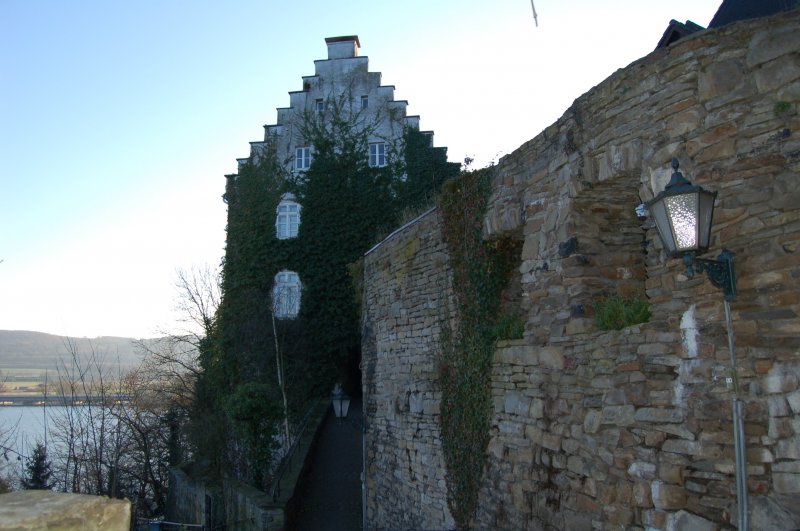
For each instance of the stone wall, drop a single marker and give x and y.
(406, 294)
(628, 429)
(45, 509)
(236, 505)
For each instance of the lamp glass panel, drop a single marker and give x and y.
(659, 213)
(705, 213)
(682, 212)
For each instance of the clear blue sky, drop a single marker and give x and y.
(119, 120)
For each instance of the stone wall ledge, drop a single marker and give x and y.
(45, 509)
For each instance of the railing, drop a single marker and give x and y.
(144, 524)
(288, 457)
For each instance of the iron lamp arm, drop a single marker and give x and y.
(719, 271)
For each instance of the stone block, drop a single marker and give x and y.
(667, 497)
(786, 483)
(774, 512)
(788, 448)
(641, 494)
(665, 415)
(681, 446)
(576, 465)
(642, 470)
(767, 45)
(536, 410)
(618, 415)
(654, 519)
(683, 520)
(592, 421)
(719, 79)
(44, 509)
(619, 515)
(516, 404)
(551, 442)
(794, 401)
(552, 357)
(778, 406)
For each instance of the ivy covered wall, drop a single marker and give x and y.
(609, 429)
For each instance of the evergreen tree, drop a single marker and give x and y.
(38, 471)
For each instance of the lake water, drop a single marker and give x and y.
(21, 427)
(25, 425)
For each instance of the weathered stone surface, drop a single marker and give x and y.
(665, 415)
(44, 509)
(786, 483)
(682, 521)
(774, 512)
(642, 470)
(667, 496)
(587, 424)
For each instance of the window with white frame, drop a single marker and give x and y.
(287, 221)
(320, 105)
(302, 158)
(377, 154)
(364, 102)
(286, 295)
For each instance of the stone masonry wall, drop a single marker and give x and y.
(629, 429)
(406, 293)
(633, 429)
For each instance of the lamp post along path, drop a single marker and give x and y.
(683, 214)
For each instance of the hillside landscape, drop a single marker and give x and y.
(37, 350)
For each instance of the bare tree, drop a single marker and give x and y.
(173, 358)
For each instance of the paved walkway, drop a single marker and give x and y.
(329, 495)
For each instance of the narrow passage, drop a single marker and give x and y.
(329, 495)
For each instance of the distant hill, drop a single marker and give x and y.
(36, 350)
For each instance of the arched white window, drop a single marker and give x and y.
(287, 220)
(286, 295)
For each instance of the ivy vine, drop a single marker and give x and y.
(481, 271)
(346, 206)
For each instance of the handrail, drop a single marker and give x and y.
(284, 466)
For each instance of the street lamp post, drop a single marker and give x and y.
(683, 214)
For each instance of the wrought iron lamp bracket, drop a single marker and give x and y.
(719, 271)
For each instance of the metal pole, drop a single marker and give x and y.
(737, 408)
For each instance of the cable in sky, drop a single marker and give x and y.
(535, 19)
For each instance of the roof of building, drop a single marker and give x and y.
(343, 38)
(734, 10)
(677, 30)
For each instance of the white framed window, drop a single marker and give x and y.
(302, 158)
(287, 220)
(286, 295)
(377, 154)
(364, 102)
(319, 105)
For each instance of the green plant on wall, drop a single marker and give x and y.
(345, 203)
(616, 311)
(481, 272)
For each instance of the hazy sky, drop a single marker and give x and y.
(119, 120)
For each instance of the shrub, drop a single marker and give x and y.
(616, 312)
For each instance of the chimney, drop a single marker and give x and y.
(342, 47)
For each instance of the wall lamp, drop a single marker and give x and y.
(683, 214)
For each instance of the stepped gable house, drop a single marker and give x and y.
(342, 85)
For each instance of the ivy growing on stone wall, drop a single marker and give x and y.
(481, 271)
